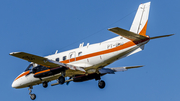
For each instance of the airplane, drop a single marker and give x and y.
(86, 62)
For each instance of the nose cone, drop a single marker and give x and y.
(20, 80)
(15, 84)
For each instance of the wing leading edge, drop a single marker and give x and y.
(43, 61)
(127, 34)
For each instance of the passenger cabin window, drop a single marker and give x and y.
(109, 46)
(64, 58)
(80, 54)
(57, 59)
(72, 55)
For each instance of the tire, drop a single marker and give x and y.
(101, 84)
(61, 80)
(45, 84)
(33, 96)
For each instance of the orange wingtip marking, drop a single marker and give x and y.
(143, 31)
(25, 73)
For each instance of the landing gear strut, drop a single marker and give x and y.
(32, 96)
(61, 79)
(101, 83)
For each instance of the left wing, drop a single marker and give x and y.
(43, 61)
(118, 69)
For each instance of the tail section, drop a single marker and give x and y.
(139, 24)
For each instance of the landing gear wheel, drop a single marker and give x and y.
(45, 84)
(61, 80)
(101, 84)
(33, 96)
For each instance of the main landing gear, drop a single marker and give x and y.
(32, 96)
(61, 79)
(101, 84)
(45, 84)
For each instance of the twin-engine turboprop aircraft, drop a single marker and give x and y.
(86, 62)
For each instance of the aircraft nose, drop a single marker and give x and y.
(14, 84)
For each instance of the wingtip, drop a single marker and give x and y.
(13, 53)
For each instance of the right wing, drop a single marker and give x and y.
(43, 61)
(35, 59)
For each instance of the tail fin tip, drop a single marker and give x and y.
(140, 21)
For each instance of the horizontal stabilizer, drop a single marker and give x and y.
(127, 34)
(131, 67)
(161, 36)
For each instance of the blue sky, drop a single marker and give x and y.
(42, 27)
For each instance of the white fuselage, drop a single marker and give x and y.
(91, 57)
(94, 57)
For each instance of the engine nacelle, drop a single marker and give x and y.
(41, 71)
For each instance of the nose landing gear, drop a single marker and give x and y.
(32, 96)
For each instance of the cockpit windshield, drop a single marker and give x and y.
(35, 67)
(29, 67)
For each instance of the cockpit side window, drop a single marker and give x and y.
(38, 69)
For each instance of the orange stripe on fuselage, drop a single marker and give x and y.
(42, 71)
(121, 47)
(143, 31)
(25, 73)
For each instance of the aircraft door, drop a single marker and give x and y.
(72, 56)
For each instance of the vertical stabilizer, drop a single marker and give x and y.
(139, 24)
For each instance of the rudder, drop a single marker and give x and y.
(140, 21)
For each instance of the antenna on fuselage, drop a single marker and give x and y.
(81, 45)
(56, 52)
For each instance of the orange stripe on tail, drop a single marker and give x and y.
(143, 31)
